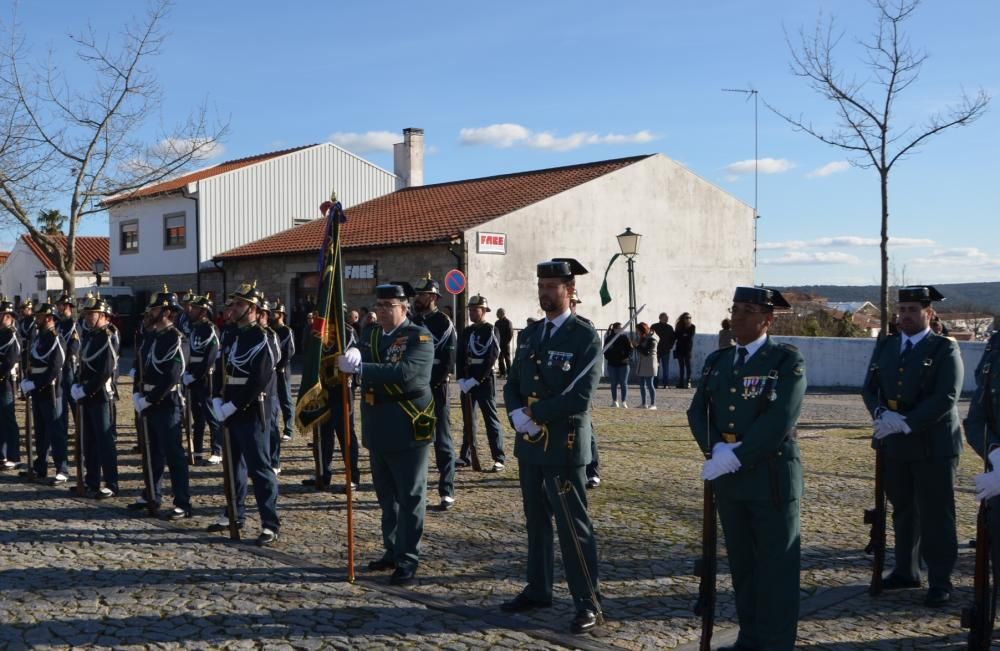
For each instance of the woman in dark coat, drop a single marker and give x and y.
(683, 345)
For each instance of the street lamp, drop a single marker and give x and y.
(98, 268)
(628, 242)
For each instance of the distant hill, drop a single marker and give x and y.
(961, 296)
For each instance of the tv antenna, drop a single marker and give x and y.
(751, 92)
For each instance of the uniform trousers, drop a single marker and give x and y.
(10, 442)
(50, 432)
(594, 467)
(252, 458)
(273, 411)
(763, 545)
(484, 395)
(922, 493)
(336, 424)
(444, 450)
(163, 427)
(542, 502)
(201, 416)
(100, 457)
(400, 481)
(285, 402)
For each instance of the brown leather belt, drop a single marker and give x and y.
(730, 437)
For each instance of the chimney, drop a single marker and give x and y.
(408, 159)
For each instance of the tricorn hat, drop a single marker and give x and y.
(575, 267)
(759, 296)
(561, 268)
(919, 294)
(399, 290)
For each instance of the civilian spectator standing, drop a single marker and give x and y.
(505, 332)
(646, 372)
(683, 345)
(665, 332)
(617, 357)
(726, 337)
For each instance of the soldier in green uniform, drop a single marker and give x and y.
(912, 389)
(397, 424)
(743, 417)
(549, 388)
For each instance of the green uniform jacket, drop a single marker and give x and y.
(982, 426)
(405, 359)
(925, 389)
(761, 411)
(538, 375)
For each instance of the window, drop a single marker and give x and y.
(173, 231)
(129, 237)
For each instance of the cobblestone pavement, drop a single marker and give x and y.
(80, 573)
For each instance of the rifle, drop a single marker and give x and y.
(706, 567)
(189, 440)
(561, 489)
(145, 448)
(318, 456)
(468, 432)
(228, 470)
(978, 617)
(80, 488)
(345, 400)
(29, 419)
(876, 517)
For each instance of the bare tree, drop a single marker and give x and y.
(84, 141)
(866, 121)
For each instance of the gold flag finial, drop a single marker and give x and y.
(333, 196)
(165, 290)
(428, 275)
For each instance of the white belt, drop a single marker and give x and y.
(148, 387)
(237, 381)
(476, 361)
(39, 369)
(197, 358)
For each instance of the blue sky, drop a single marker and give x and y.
(525, 85)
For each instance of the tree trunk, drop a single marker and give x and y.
(884, 248)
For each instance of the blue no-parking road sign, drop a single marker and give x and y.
(454, 282)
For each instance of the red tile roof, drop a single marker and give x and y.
(88, 249)
(432, 213)
(178, 183)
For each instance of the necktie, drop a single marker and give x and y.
(907, 347)
(741, 358)
(549, 327)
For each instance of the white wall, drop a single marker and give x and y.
(152, 258)
(835, 361)
(17, 277)
(697, 245)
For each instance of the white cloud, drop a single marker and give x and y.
(844, 241)
(815, 257)
(205, 150)
(764, 166)
(363, 143)
(828, 169)
(509, 135)
(965, 257)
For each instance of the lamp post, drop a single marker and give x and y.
(628, 242)
(98, 268)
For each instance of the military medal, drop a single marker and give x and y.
(565, 366)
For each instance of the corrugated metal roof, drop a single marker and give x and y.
(433, 213)
(176, 184)
(88, 249)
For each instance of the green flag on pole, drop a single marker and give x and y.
(605, 294)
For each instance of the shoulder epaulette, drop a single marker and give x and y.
(790, 347)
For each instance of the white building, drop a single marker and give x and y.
(168, 233)
(29, 273)
(697, 240)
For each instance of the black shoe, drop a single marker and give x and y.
(381, 565)
(461, 463)
(447, 501)
(523, 603)
(140, 505)
(221, 525)
(267, 538)
(325, 483)
(585, 620)
(896, 582)
(403, 576)
(177, 513)
(937, 597)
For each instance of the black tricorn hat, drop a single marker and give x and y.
(760, 296)
(427, 285)
(575, 267)
(394, 290)
(560, 268)
(919, 294)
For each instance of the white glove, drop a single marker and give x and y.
(467, 384)
(76, 391)
(140, 402)
(27, 386)
(723, 461)
(349, 361)
(994, 458)
(890, 422)
(532, 428)
(987, 485)
(518, 418)
(227, 410)
(187, 379)
(131, 373)
(216, 408)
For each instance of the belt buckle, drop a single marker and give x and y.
(370, 398)
(893, 405)
(730, 437)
